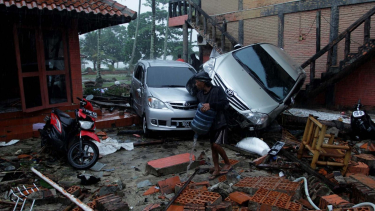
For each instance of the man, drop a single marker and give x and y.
(179, 58)
(214, 97)
(194, 61)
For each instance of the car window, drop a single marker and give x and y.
(266, 71)
(139, 73)
(168, 76)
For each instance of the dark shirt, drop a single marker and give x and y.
(218, 101)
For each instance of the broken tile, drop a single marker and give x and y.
(168, 185)
(151, 190)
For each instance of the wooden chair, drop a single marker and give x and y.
(313, 140)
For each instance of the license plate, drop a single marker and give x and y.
(186, 123)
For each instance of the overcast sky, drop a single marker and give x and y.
(133, 5)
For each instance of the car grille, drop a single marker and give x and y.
(235, 101)
(184, 105)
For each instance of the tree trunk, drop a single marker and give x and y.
(98, 75)
(135, 37)
(153, 7)
(166, 38)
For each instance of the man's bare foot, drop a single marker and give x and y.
(226, 168)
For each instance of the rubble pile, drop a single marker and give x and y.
(147, 180)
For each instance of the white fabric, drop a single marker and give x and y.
(110, 145)
(3, 144)
(255, 145)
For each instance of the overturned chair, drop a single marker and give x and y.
(313, 140)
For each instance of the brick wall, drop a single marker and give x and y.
(358, 85)
(212, 7)
(261, 30)
(75, 62)
(303, 24)
(348, 15)
(249, 4)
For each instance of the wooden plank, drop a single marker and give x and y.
(318, 17)
(367, 28)
(347, 46)
(330, 146)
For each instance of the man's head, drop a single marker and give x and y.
(178, 55)
(202, 80)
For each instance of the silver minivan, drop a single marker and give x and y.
(159, 96)
(260, 81)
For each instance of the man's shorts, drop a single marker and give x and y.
(219, 136)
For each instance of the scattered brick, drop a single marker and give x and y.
(369, 159)
(175, 208)
(239, 197)
(111, 202)
(152, 207)
(167, 186)
(151, 190)
(74, 190)
(259, 160)
(194, 196)
(223, 206)
(334, 200)
(358, 168)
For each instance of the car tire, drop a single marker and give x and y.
(146, 131)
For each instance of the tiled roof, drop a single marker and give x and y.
(104, 7)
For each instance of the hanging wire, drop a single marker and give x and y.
(310, 27)
(339, 31)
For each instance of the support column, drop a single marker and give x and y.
(318, 15)
(280, 32)
(240, 24)
(334, 32)
(185, 42)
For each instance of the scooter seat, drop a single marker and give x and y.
(64, 117)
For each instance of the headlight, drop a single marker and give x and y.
(156, 103)
(257, 118)
(209, 67)
(86, 124)
(358, 113)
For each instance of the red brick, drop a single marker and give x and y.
(167, 186)
(334, 200)
(358, 168)
(239, 197)
(151, 190)
(170, 161)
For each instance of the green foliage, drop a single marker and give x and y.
(91, 91)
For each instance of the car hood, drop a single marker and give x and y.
(244, 86)
(171, 94)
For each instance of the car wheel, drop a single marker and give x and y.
(146, 131)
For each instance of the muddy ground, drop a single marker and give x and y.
(124, 168)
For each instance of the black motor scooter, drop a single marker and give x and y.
(362, 125)
(73, 137)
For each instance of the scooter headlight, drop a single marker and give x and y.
(357, 114)
(86, 124)
(209, 67)
(257, 118)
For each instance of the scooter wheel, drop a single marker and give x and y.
(83, 158)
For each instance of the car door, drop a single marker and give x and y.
(137, 87)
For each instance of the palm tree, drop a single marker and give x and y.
(152, 50)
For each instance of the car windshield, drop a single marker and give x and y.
(168, 76)
(266, 71)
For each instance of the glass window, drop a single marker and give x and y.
(266, 71)
(27, 46)
(168, 76)
(53, 50)
(56, 89)
(31, 87)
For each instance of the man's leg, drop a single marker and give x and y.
(220, 151)
(215, 159)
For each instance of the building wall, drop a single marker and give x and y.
(249, 4)
(300, 38)
(262, 24)
(348, 14)
(212, 7)
(358, 85)
(75, 62)
(261, 30)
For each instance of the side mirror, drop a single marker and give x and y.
(89, 97)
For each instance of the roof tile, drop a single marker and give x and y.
(104, 7)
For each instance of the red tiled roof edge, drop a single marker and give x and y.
(103, 7)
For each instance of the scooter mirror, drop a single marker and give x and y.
(89, 97)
